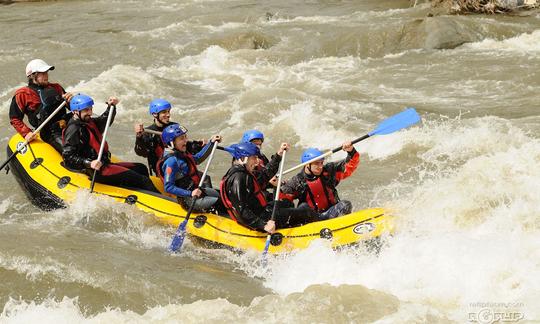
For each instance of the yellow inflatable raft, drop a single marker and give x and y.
(39, 171)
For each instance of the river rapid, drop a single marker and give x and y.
(463, 185)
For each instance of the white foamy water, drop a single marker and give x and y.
(524, 44)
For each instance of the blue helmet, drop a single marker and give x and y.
(171, 132)
(158, 105)
(251, 135)
(80, 102)
(310, 153)
(242, 150)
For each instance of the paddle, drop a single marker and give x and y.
(102, 146)
(178, 238)
(149, 131)
(20, 148)
(404, 119)
(276, 199)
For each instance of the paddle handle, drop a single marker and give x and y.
(45, 122)
(102, 146)
(180, 233)
(328, 153)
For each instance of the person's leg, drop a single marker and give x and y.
(201, 204)
(291, 217)
(137, 167)
(118, 175)
(343, 207)
(55, 140)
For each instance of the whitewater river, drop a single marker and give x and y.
(464, 185)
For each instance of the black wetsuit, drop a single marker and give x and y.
(81, 146)
(241, 194)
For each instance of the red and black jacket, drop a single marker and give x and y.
(82, 141)
(243, 198)
(320, 192)
(242, 195)
(27, 101)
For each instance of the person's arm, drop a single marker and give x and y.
(16, 115)
(291, 189)
(237, 192)
(101, 121)
(205, 152)
(346, 167)
(269, 170)
(71, 155)
(171, 167)
(143, 145)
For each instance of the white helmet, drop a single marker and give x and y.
(37, 65)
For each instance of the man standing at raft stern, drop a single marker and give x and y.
(315, 185)
(178, 170)
(241, 192)
(38, 100)
(151, 146)
(82, 141)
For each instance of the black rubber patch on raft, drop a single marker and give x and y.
(36, 163)
(326, 233)
(276, 239)
(131, 199)
(63, 182)
(199, 221)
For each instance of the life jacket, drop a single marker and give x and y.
(227, 202)
(319, 195)
(193, 177)
(95, 138)
(36, 101)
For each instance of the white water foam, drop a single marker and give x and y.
(468, 231)
(125, 82)
(526, 44)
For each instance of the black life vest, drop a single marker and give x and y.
(227, 202)
(41, 102)
(319, 194)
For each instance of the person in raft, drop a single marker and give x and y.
(150, 145)
(242, 196)
(37, 101)
(178, 170)
(82, 141)
(315, 185)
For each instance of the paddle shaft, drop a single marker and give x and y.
(337, 149)
(102, 147)
(150, 131)
(276, 199)
(45, 122)
(178, 238)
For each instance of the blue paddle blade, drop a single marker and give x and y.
(178, 238)
(265, 252)
(399, 121)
